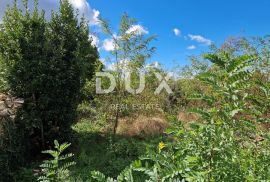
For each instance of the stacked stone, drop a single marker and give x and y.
(8, 107)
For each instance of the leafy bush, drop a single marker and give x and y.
(224, 146)
(3, 79)
(46, 63)
(56, 169)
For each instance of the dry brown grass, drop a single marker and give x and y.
(187, 117)
(141, 125)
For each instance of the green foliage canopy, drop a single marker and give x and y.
(46, 63)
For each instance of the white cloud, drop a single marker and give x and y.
(95, 40)
(121, 65)
(200, 39)
(83, 7)
(96, 17)
(177, 32)
(109, 44)
(192, 47)
(85, 10)
(154, 64)
(137, 29)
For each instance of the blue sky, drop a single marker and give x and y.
(212, 19)
(198, 22)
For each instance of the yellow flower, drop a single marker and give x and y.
(161, 145)
(218, 122)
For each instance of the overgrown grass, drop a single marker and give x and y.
(104, 152)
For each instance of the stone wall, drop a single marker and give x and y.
(8, 107)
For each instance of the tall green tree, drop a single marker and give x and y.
(131, 48)
(72, 60)
(47, 63)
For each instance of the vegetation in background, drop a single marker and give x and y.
(225, 145)
(50, 64)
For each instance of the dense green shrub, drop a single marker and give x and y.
(3, 79)
(46, 63)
